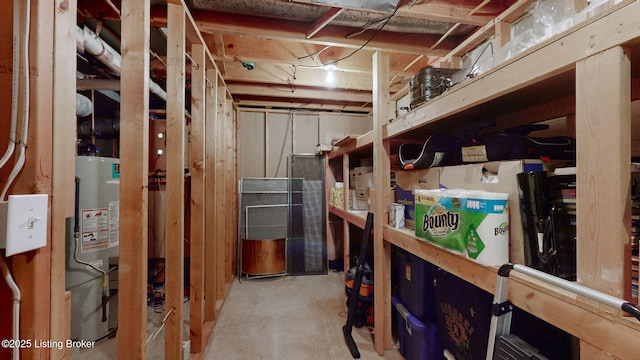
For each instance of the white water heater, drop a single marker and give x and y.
(92, 245)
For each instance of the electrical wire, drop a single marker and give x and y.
(14, 84)
(16, 304)
(12, 141)
(384, 21)
(25, 106)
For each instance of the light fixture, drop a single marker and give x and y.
(160, 135)
(159, 152)
(330, 76)
(330, 67)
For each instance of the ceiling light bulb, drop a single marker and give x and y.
(330, 77)
(330, 67)
(160, 135)
(159, 152)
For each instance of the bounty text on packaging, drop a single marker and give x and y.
(471, 222)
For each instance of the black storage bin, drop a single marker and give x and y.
(464, 315)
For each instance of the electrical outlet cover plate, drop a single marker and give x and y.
(26, 223)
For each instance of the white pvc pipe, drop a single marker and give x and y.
(87, 40)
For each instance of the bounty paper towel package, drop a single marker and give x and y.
(473, 223)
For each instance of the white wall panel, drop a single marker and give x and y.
(279, 143)
(305, 133)
(339, 125)
(251, 144)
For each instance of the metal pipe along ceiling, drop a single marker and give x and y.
(87, 40)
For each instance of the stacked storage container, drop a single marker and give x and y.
(464, 315)
(414, 307)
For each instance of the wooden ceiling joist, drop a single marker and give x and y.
(324, 21)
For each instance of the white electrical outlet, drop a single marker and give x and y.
(23, 222)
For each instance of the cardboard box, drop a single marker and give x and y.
(470, 177)
(407, 182)
(362, 200)
(364, 177)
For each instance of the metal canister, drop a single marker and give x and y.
(396, 215)
(428, 83)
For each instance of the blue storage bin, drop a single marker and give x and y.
(415, 288)
(417, 340)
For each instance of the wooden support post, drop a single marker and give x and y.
(31, 270)
(230, 186)
(174, 262)
(382, 258)
(198, 170)
(134, 180)
(345, 224)
(63, 172)
(221, 199)
(603, 123)
(211, 117)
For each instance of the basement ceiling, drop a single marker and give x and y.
(274, 53)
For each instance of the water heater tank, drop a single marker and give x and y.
(97, 244)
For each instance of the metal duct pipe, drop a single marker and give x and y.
(87, 40)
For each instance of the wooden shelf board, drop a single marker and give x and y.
(357, 218)
(361, 143)
(535, 70)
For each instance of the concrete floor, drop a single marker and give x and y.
(280, 318)
(298, 317)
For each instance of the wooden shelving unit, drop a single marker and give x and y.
(589, 74)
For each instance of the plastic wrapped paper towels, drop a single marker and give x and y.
(473, 223)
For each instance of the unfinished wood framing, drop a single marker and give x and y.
(174, 262)
(210, 206)
(345, 224)
(381, 253)
(220, 196)
(230, 192)
(63, 169)
(197, 168)
(599, 116)
(134, 181)
(603, 121)
(32, 270)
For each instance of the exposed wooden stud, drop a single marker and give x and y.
(228, 193)
(503, 33)
(63, 169)
(382, 258)
(210, 206)
(174, 262)
(197, 169)
(32, 270)
(345, 224)
(603, 121)
(233, 192)
(134, 180)
(220, 196)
